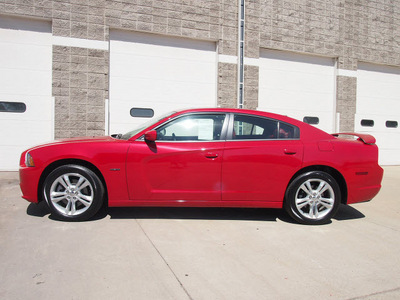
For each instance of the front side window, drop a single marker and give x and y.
(250, 127)
(197, 127)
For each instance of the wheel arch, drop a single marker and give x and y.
(54, 165)
(331, 171)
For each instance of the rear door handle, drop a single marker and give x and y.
(289, 151)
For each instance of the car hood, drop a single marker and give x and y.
(77, 140)
(87, 139)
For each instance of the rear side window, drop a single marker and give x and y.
(257, 128)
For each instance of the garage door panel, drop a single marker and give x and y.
(37, 108)
(379, 107)
(378, 99)
(374, 90)
(161, 52)
(389, 157)
(26, 37)
(386, 72)
(160, 90)
(297, 81)
(166, 68)
(23, 135)
(278, 58)
(171, 45)
(389, 140)
(25, 76)
(157, 72)
(25, 82)
(12, 152)
(123, 122)
(17, 57)
(300, 101)
(298, 86)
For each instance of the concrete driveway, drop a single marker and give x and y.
(153, 253)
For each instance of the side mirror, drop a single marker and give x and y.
(150, 136)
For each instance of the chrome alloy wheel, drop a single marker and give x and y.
(71, 194)
(315, 199)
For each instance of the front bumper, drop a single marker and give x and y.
(29, 178)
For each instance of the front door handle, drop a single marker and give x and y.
(289, 151)
(211, 155)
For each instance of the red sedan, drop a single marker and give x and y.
(206, 158)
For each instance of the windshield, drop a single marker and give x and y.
(143, 126)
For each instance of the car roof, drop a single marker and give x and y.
(242, 111)
(308, 132)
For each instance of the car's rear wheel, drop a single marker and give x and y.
(73, 193)
(313, 198)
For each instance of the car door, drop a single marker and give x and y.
(183, 164)
(260, 157)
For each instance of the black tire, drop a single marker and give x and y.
(313, 198)
(73, 193)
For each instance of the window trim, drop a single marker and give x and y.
(223, 130)
(229, 137)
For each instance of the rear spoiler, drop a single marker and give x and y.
(365, 138)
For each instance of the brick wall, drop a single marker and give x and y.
(348, 30)
(80, 85)
(80, 75)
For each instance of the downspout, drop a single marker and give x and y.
(241, 54)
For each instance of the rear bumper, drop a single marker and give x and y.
(365, 185)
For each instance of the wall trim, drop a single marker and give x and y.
(252, 61)
(80, 43)
(347, 73)
(227, 59)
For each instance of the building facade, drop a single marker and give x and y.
(77, 68)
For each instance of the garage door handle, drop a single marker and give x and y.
(289, 151)
(211, 155)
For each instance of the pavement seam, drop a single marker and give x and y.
(375, 294)
(384, 226)
(165, 261)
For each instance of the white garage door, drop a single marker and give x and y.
(26, 105)
(299, 86)
(160, 73)
(378, 108)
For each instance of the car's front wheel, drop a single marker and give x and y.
(73, 193)
(313, 198)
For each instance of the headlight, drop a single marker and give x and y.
(29, 160)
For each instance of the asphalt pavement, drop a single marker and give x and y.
(206, 253)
